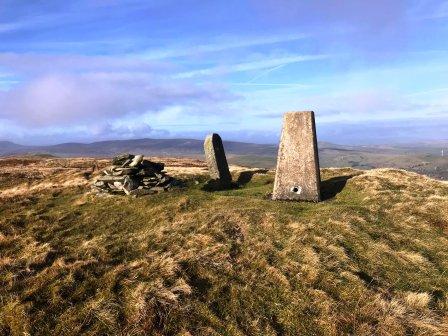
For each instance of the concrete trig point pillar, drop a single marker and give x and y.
(216, 159)
(297, 176)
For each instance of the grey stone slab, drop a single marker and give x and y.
(123, 171)
(108, 178)
(130, 184)
(120, 159)
(216, 159)
(297, 174)
(136, 161)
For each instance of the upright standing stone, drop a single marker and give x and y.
(297, 175)
(216, 159)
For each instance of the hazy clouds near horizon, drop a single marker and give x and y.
(374, 72)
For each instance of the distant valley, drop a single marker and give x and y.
(425, 158)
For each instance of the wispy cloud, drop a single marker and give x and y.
(10, 26)
(250, 66)
(7, 84)
(50, 14)
(7, 80)
(356, 105)
(223, 44)
(440, 12)
(32, 63)
(296, 85)
(266, 72)
(428, 92)
(30, 22)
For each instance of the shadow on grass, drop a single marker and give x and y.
(217, 185)
(246, 176)
(367, 279)
(333, 186)
(243, 178)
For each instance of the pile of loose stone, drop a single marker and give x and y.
(131, 175)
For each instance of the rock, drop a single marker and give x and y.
(130, 183)
(98, 184)
(216, 160)
(108, 178)
(297, 175)
(158, 189)
(116, 185)
(124, 171)
(121, 159)
(126, 163)
(136, 161)
(132, 175)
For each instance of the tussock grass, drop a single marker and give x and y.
(372, 259)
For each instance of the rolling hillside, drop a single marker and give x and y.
(371, 259)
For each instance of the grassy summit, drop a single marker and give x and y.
(372, 259)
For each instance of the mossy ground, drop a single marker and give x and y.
(372, 259)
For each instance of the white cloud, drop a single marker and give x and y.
(66, 100)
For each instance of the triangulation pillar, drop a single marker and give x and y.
(297, 176)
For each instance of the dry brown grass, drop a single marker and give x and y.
(21, 176)
(370, 260)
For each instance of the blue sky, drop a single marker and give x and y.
(373, 71)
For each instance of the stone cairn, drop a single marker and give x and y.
(132, 175)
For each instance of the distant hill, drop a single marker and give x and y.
(188, 147)
(424, 158)
(159, 147)
(10, 147)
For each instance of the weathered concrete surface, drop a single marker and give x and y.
(297, 176)
(216, 159)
